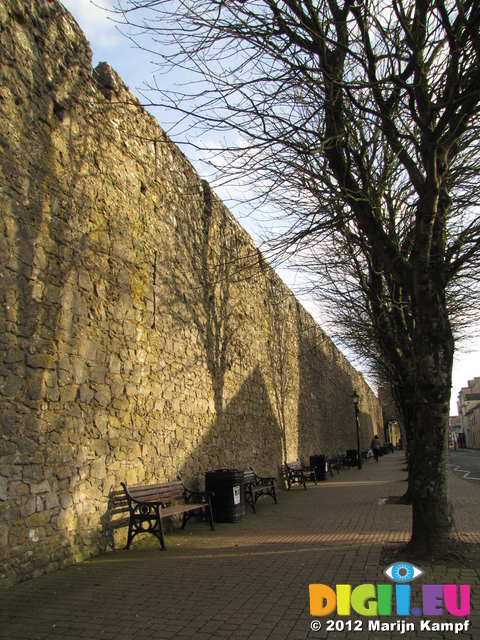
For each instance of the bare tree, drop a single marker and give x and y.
(359, 120)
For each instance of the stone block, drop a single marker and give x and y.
(115, 364)
(68, 393)
(41, 487)
(103, 397)
(65, 521)
(131, 390)
(101, 446)
(4, 531)
(41, 360)
(13, 384)
(85, 394)
(28, 507)
(52, 393)
(34, 385)
(101, 422)
(84, 281)
(121, 403)
(3, 488)
(131, 476)
(79, 370)
(38, 519)
(32, 473)
(52, 501)
(134, 451)
(14, 355)
(117, 387)
(97, 374)
(98, 469)
(109, 484)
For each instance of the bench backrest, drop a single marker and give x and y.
(164, 492)
(249, 477)
(294, 466)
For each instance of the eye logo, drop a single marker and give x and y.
(403, 572)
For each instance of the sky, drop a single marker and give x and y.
(135, 68)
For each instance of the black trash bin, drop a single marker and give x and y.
(319, 463)
(228, 485)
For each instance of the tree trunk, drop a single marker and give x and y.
(433, 524)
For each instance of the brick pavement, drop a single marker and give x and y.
(247, 580)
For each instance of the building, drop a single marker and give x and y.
(456, 438)
(469, 411)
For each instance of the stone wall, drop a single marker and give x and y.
(142, 335)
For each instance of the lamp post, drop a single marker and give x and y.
(356, 398)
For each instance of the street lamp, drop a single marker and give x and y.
(356, 398)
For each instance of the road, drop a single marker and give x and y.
(465, 463)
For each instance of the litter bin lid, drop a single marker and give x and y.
(220, 475)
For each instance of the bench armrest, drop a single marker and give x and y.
(197, 496)
(263, 479)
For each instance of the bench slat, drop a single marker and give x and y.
(159, 485)
(155, 488)
(156, 495)
(182, 508)
(249, 476)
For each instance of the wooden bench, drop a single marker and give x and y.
(335, 462)
(149, 504)
(256, 486)
(297, 472)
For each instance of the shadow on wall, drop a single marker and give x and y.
(326, 415)
(246, 435)
(282, 361)
(218, 298)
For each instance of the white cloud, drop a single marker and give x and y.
(96, 21)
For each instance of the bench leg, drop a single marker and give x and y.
(160, 530)
(250, 498)
(156, 529)
(266, 490)
(130, 533)
(204, 510)
(274, 494)
(209, 514)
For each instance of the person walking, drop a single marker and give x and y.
(375, 447)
